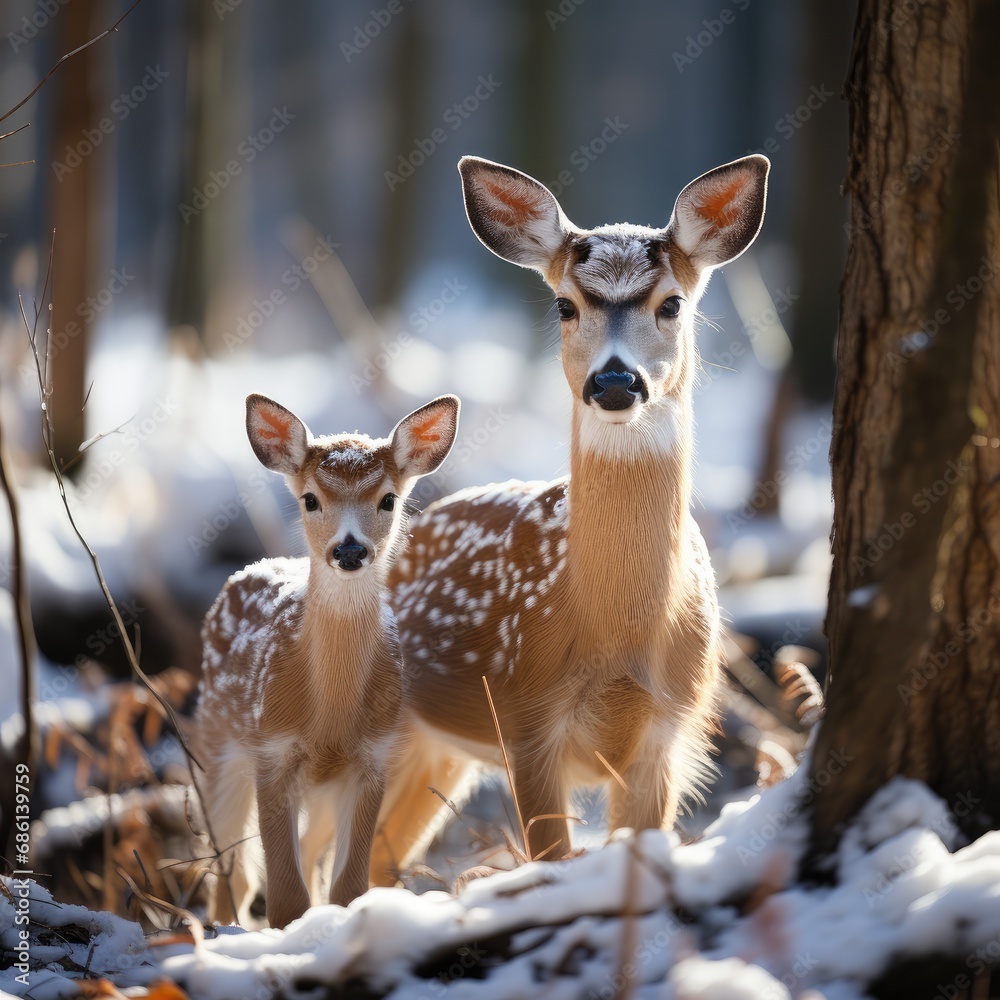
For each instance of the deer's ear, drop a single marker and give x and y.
(278, 438)
(512, 214)
(718, 215)
(421, 441)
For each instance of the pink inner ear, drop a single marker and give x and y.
(278, 426)
(520, 207)
(720, 207)
(424, 434)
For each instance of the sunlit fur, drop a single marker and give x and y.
(300, 700)
(589, 603)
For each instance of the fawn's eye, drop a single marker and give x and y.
(566, 309)
(671, 307)
(388, 502)
(310, 501)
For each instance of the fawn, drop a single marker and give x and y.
(302, 679)
(589, 602)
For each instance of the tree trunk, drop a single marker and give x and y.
(915, 588)
(76, 217)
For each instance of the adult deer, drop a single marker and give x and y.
(588, 603)
(301, 692)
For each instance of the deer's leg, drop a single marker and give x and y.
(357, 815)
(411, 813)
(278, 812)
(648, 802)
(228, 800)
(321, 826)
(541, 797)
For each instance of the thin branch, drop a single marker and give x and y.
(67, 57)
(91, 441)
(47, 439)
(14, 131)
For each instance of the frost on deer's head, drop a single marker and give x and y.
(352, 489)
(625, 294)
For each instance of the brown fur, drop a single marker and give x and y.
(589, 603)
(302, 684)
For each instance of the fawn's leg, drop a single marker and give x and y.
(357, 814)
(278, 813)
(228, 797)
(317, 837)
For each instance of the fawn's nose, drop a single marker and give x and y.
(615, 386)
(349, 554)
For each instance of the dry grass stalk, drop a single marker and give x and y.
(507, 767)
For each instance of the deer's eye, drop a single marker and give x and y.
(310, 501)
(388, 502)
(671, 307)
(566, 309)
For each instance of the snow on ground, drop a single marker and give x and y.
(719, 918)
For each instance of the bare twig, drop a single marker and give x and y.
(66, 58)
(194, 925)
(47, 439)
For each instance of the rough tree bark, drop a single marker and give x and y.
(914, 614)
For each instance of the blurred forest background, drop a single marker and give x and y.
(252, 196)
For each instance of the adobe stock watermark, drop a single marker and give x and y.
(129, 439)
(983, 959)
(366, 32)
(957, 298)
(470, 443)
(586, 153)
(913, 170)
(921, 502)
(801, 965)
(454, 117)
(900, 13)
(563, 12)
(782, 299)
(246, 152)
(227, 513)
(119, 109)
(795, 460)
(628, 973)
(934, 661)
(294, 277)
(420, 320)
(907, 861)
(789, 124)
(697, 43)
(88, 310)
(804, 794)
(44, 11)
(223, 8)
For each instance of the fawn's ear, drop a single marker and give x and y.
(718, 215)
(512, 214)
(422, 440)
(278, 438)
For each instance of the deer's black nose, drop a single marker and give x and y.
(349, 554)
(615, 386)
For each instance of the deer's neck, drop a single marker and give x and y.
(629, 499)
(342, 631)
